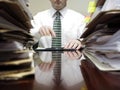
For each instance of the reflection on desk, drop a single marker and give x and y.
(71, 77)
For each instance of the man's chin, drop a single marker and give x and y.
(58, 7)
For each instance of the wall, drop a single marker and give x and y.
(39, 5)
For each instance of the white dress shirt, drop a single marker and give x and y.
(72, 25)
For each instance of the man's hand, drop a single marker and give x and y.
(46, 31)
(45, 67)
(73, 44)
(74, 55)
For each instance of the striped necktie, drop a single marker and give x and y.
(56, 56)
(56, 41)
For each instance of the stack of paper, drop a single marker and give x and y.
(101, 66)
(102, 41)
(15, 24)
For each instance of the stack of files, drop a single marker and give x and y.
(102, 40)
(15, 18)
(102, 48)
(15, 25)
(110, 18)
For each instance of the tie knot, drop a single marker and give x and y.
(58, 13)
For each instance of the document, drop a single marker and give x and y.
(103, 18)
(105, 54)
(103, 63)
(111, 45)
(11, 19)
(111, 5)
(19, 10)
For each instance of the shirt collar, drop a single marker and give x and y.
(62, 12)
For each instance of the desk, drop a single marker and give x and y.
(99, 80)
(23, 84)
(71, 77)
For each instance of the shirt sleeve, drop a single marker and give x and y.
(36, 23)
(81, 28)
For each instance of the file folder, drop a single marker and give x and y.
(17, 9)
(11, 19)
(103, 18)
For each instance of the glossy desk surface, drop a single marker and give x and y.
(68, 75)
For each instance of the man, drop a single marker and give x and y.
(72, 25)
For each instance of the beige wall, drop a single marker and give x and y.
(39, 5)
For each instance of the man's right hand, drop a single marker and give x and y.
(46, 31)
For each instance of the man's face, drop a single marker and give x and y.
(58, 4)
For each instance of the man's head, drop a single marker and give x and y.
(58, 4)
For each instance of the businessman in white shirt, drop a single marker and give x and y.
(72, 25)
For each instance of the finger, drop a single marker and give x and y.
(47, 31)
(79, 46)
(65, 53)
(52, 32)
(47, 66)
(70, 54)
(79, 54)
(41, 31)
(75, 45)
(68, 45)
(41, 65)
(52, 65)
(44, 30)
(74, 54)
(71, 45)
